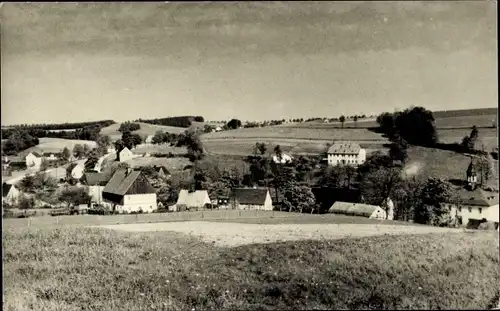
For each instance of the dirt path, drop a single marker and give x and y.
(234, 234)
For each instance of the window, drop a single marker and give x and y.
(459, 208)
(470, 209)
(480, 210)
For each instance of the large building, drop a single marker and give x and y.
(129, 191)
(251, 199)
(358, 209)
(192, 200)
(346, 153)
(474, 205)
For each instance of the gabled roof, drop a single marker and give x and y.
(5, 189)
(165, 170)
(344, 148)
(197, 198)
(121, 182)
(478, 197)
(252, 196)
(356, 209)
(94, 179)
(126, 150)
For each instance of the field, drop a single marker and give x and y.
(145, 130)
(75, 268)
(57, 144)
(173, 164)
(163, 149)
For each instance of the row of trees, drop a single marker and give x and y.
(129, 127)
(181, 121)
(59, 126)
(17, 141)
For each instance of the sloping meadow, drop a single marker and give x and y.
(95, 269)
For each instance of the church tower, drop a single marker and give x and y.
(471, 176)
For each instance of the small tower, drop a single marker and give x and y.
(471, 176)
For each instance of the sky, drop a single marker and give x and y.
(72, 62)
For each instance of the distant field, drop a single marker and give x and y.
(487, 136)
(57, 144)
(163, 149)
(145, 130)
(173, 164)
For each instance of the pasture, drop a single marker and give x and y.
(75, 268)
(145, 130)
(173, 164)
(52, 145)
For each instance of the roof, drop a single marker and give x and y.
(121, 182)
(157, 169)
(94, 179)
(126, 150)
(471, 168)
(197, 198)
(36, 154)
(253, 196)
(478, 197)
(356, 209)
(344, 148)
(5, 189)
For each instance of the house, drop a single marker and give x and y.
(358, 209)
(77, 171)
(192, 200)
(129, 191)
(346, 153)
(34, 160)
(218, 129)
(95, 182)
(161, 170)
(10, 194)
(285, 158)
(125, 155)
(149, 139)
(474, 204)
(251, 198)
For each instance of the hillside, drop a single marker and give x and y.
(145, 130)
(48, 145)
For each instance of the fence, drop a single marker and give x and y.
(143, 218)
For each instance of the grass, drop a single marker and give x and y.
(145, 130)
(173, 164)
(57, 144)
(82, 268)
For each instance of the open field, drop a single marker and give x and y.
(96, 269)
(57, 144)
(163, 149)
(235, 234)
(173, 164)
(145, 130)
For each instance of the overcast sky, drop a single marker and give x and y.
(78, 62)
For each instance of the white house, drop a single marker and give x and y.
(285, 158)
(77, 171)
(346, 153)
(10, 194)
(125, 155)
(129, 191)
(358, 209)
(95, 183)
(149, 139)
(34, 160)
(218, 129)
(251, 199)
(196, 199)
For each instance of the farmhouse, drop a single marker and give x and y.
(95, 183)
(189, 200)
(125, 155)
(10, 194)
(346, 153)
(358, 209)
(252, 198)
(129, 191)
(34, 160)
(285, 158)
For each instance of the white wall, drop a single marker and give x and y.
(33, 161)
(268, 205)
(379, 213)
(77, 172)
(473, 212)
(350, 159)
(136, 202)
(96, 193)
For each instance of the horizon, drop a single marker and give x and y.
(82, 62)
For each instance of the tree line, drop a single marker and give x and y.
(58, 126)
(181, 121)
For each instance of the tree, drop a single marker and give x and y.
(74, 196)
(44, 165)
(86, 149)
(78, 151)
(233, 124)
(342, 120)
(27, 184)
(208, 128)
(430, 209)
(355, 119)
(69, 169)
(66, 154)
(278, 152)
(485, 169)
(194, 146)
(299, 199)
(127, 140)
(398, 150)
(158, 138)
(284, 180)
(44, 182)
(380, 184)
(102, 142)
(26, 202)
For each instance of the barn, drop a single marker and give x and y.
(129, 191)
(358, 209)
(252, 199)
(192, 200)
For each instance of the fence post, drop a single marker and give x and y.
(29, 221)
(202, 215)
(57, 219)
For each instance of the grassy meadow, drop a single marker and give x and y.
(145, 130)
(48, 144)
(75, 268)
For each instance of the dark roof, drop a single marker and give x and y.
(253, 196)
(5, 189)
(478, 197)
(94, 179)
(36, 154)
(121, 182)
(344, 148)
(471, 169)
